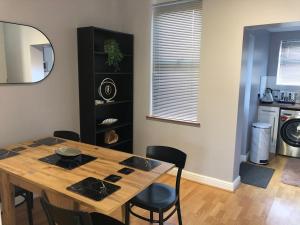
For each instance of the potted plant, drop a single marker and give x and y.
(114, 54)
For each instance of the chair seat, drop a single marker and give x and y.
(156, 197)
(100, 219)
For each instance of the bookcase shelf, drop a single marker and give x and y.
(103, 128)
(93, 69)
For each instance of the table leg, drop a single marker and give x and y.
(123, 213)
(7, 191)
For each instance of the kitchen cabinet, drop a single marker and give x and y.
(267, 114)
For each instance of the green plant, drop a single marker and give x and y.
(114, 54)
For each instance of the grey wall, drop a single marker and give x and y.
(260, 65)
(275, 46)
(245, 90)
(254, 65)
(34, 111)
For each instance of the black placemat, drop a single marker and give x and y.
(4, 154)
(126, 170)
(18, 149)
(113, 178)
(94, 188)
(50, 141)
(258, 176)
(140, 163)
(33, 145)
(69, 164)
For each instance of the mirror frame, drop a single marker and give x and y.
(36, 82)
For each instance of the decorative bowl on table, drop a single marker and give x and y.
(68, 152)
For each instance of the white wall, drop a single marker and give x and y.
(14, 51)
(34, 111)
(36, 66)
(213, 149)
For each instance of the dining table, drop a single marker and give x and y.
(28, 165)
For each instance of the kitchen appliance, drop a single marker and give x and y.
(287, 97)
(289, 133)
(276, 95)
(267, 97)
(260, 143)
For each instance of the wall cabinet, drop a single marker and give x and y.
(270, 115)
(94, 71)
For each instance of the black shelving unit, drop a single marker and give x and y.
(93, 69)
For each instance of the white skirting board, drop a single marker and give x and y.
(214, 182)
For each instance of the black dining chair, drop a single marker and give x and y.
(158, 197)
(28, 198)
(60, 216)
(66, 134)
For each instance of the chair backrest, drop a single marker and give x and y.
(170, 155)
(167, 154)
(69, 135)
(59, 216)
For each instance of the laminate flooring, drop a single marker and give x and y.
(279, 204)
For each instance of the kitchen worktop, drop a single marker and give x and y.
(282, 105)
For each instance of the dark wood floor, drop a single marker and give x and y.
(279, 204)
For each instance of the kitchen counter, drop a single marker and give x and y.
(282, 105)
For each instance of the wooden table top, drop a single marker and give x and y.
(27, 167)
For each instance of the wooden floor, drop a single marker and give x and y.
(279, 204)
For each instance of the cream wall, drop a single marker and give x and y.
(33, 111)
(3, 72)
(212, 149)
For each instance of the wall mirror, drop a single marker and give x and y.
(26, 54)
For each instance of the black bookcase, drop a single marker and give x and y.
(93, 69)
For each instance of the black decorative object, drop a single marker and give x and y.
(68, 164)
(105, 93)
(93, 188)
(140, 163)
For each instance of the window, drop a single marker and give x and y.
(288, 72)
(175, 60)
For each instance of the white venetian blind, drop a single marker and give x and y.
(176, 56)
(288, 72)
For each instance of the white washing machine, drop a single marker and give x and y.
(288, 142)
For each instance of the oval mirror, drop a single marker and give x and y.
(26, 54)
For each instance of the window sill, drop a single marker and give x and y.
(180, 122)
